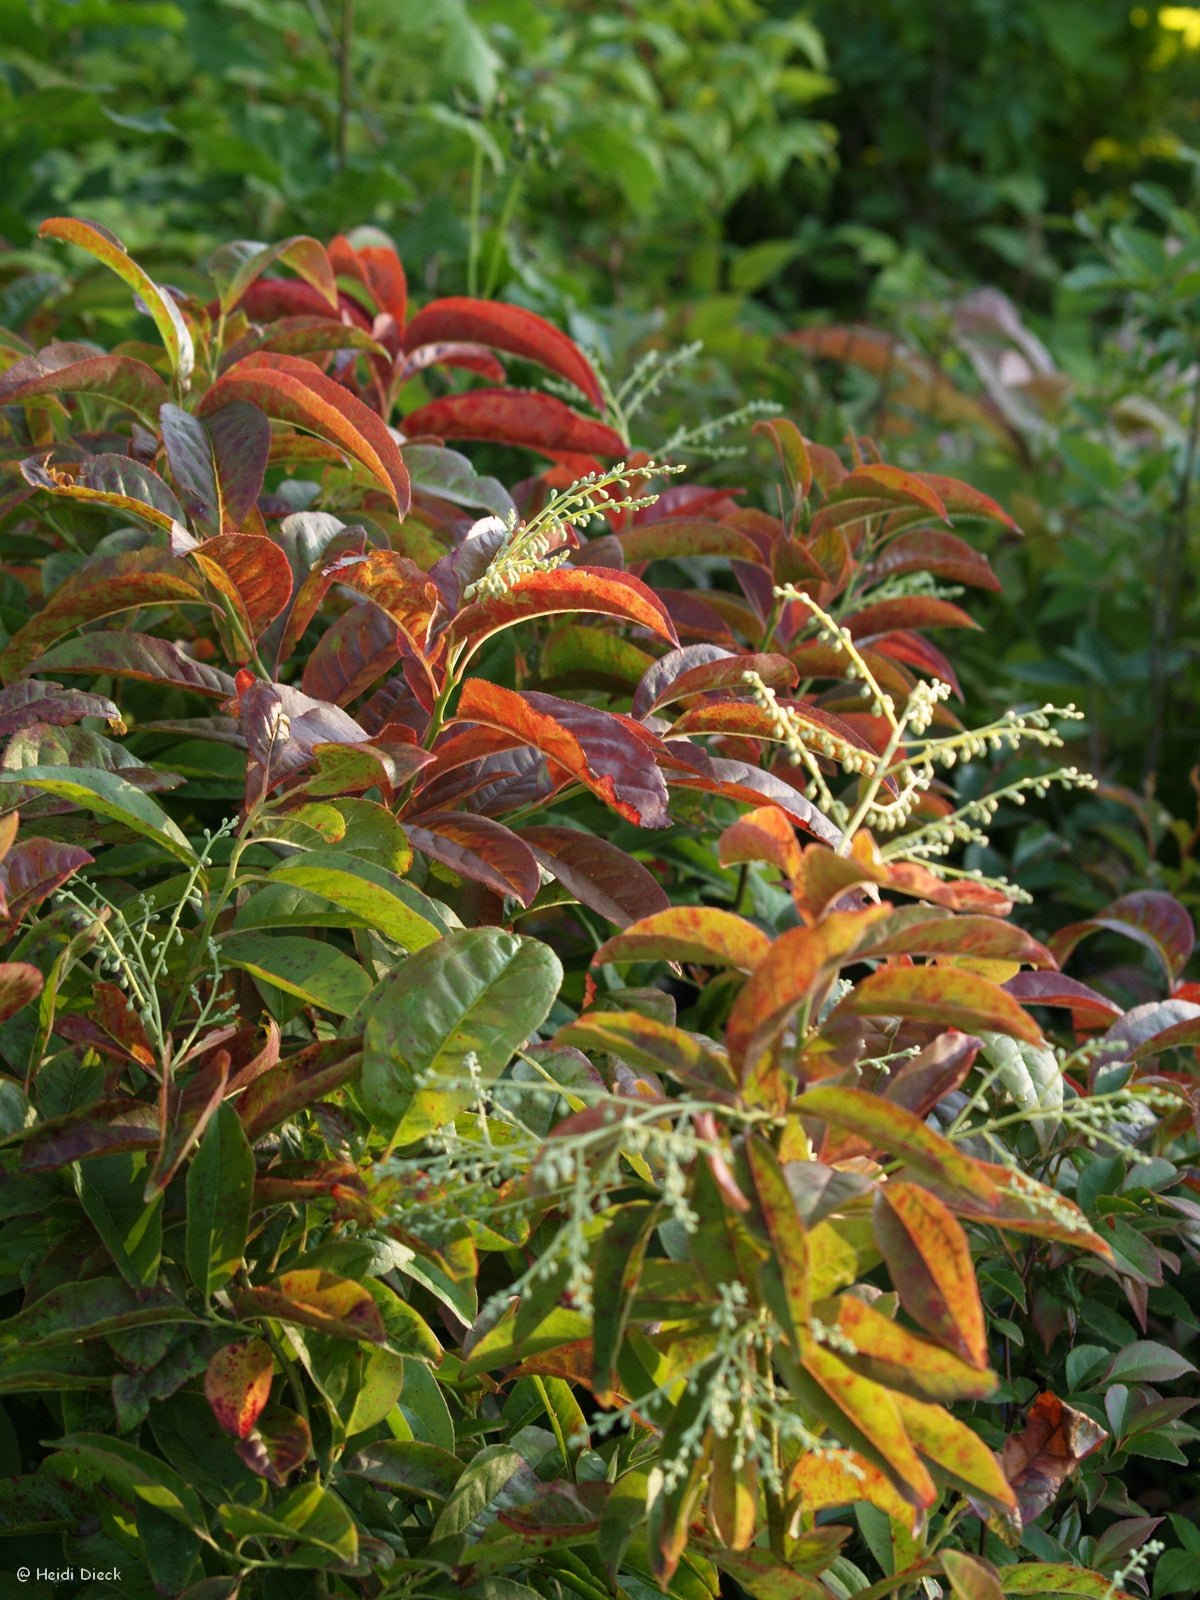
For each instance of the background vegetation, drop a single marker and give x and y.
(962, 240)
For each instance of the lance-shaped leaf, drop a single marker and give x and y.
(1152, 919)
(920, 930)
(218, 463)
(91, 1309)
(145, 1477)
(101, 589)
(616, 1267)
(20, 983)
(369, 255)
(356, 651)
(868, 1418)
(139, 656)
(786, 1268)
(691, 768)
(602, 591)
(396, 584)
(478, 991)
(67, 368)
(601, 876)
(957, 1454)
(945, 995)
(1020, 1204)
(798, 966)
(1056, 1578)
(313, 1298)
(234, 267)
(1038, 1460)
(220, 1189)
(891, 1355)
(503, 327)
(320, 975)
(237, 1385)
(23, 704)
(891, 1128)
(256, 567)
(165, 314)
(381, 899)
(190, 1108)
(515, 417)
(1089, 1009)
(105, 1127)
(702, 934)
(652, 1046)
(478, 848)
(298, 392)
(943, 554)
(611, 755)
(34, 869)
(822, 1479)
(109, 480)
(929, 1260)
(687, 1438)
(890, 483)
(110, 796)
(672, 537)
(315, 571)
(971, 1577)
(913, 611)
(295, 1083)
(699, 669)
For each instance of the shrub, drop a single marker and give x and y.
(577, 1128)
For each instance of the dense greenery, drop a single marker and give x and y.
(535, 1053)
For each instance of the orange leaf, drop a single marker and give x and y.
(1038, 1460)
(237, 1385)
(898, 1359)
(930, 1263)
(945, 995)
(601, 591)
(702, 934)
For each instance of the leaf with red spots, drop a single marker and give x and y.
(929, 1260)
(704, 935)
(237, 1385)
(313, 1298)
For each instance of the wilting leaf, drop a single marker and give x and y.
(701, 934)
(220, 1187)
(106, 247)
(479, 991)
(929, 1260)
(1038, 1460)
(237, 1385)
(109, 480)
(23, 704)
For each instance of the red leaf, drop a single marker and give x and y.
(108, 480)
(912, 611)
(700, 668)
(237, 1385)
(478, 848)
(929, 1261)
(764, 834)
(34, 869)
(945, 995)
(1040, 1459)
(609, 754)
(505, 327)
(101, 589)
(377, 266)
(1152, 919)
(516, 417)
(316, 585)
(352, 654)
(915, 651)
(298, 392)
(943, 554)
(685, 536)
(62, 368)
(19, 984)
(600, 876)
(396, 584)
(891, 483)
(190, 1107)
(601, 591)
(279, 1444)
(258, 570)
(140, 656)
(701, 934)
(1088, 1008)
(968, 502)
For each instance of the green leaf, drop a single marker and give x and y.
(111, 1191)
(478, 991)
(140, 1474)
(319, 974)
(369, 892)
(90, 1308)
(110, 796)
(408, 1467)
(309, 1514)
(1144, 1361)
(220, 1189)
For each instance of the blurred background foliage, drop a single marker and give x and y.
(965, 227)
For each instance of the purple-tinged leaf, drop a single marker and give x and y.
(103, 1128)
(108, 480)
(33, 701)
(190, 1107)
(140, 656)
(356, 651)
(477, 848)
(601, 876)
(234, 267)
(1152, 919)
(34, 869)
(64, 368)
(1088, 1008)
(19, 984)
(698, 668)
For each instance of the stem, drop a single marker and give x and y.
(1168, 584)
(344, 84)
(473, 221)
(510, 200)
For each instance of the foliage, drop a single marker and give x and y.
(578, 1128)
